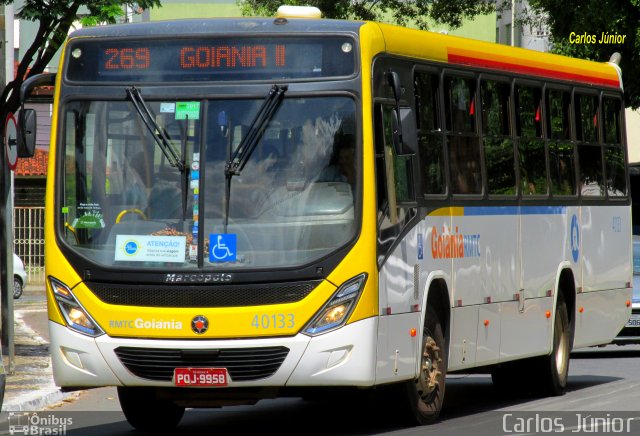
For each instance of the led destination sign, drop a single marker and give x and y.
(210, 59)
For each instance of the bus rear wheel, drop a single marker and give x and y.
(147, 413)
(554, 369)
(426, 392)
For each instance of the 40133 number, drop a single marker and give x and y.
(275, 321)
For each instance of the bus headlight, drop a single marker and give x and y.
(337, 310)
(76, 316)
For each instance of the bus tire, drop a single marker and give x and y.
(147, 413)
(425, 394)
(554, 368)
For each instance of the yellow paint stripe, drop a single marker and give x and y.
(448, 211)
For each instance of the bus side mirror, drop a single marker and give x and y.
(404, 135)
(27, 133)
(27, 117)
(403, 121)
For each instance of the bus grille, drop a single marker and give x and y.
(243, 364)
(202, 296)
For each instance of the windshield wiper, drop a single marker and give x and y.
(158, 134)
(248, 144)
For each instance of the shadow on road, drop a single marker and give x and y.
(619, 353)
(468, 398)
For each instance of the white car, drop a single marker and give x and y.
(630, 334)
(19, 276)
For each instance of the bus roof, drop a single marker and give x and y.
(474, 53)
(218, 26)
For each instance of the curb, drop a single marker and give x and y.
(31, 386)
(38, 400)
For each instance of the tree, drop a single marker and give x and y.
(55, 18)
(569, 20)
(402, 12)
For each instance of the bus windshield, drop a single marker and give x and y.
(126, 203)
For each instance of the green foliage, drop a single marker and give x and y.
(402, 12)
(55, 18)
(595, 17)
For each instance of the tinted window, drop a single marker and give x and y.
(591, 175)
(558, 104)
(460, 104)
(529, 112)
(498, 146)
(430, 134)
(463, 143)
(495, 108)
(611, 115)
(562, 168)
(586, 118)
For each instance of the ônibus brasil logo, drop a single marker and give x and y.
(453, 245)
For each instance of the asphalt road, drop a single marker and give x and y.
(604, 383)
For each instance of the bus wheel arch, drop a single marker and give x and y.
(566, 286)
(438, 298)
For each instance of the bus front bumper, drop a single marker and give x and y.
(343, 357)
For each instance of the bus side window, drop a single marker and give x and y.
(531, 146)
(614, 151)
(463, 144)
(561, 149)
(430, 135)
(589, 150)
(497, 141)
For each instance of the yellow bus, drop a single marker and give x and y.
(240, 209)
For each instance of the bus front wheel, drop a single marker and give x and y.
(147, 413)
(426, 392)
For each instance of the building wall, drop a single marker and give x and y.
(176, 9)
(481, 27)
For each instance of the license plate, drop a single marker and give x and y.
(200, 377)
(634, 321)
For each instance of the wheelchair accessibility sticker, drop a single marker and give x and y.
(222, 247)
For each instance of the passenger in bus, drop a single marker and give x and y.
(468, 179)
(135, 192)
(342, 164)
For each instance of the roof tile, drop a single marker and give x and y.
(33, 166)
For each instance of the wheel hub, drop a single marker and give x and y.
(428, 380)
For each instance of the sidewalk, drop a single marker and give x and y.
(31, 386)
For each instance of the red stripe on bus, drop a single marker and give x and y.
(495, 65)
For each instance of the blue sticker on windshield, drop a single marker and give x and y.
(222, 247)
